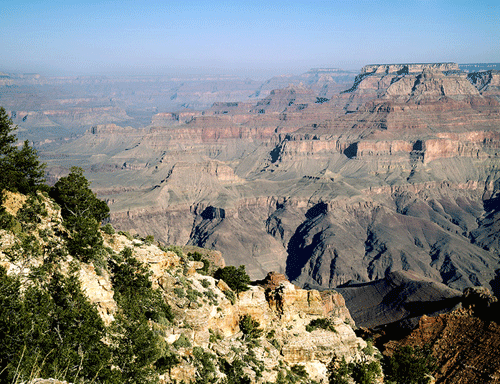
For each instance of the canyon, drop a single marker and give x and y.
(375, 204)
(397, 172)
(327, 181)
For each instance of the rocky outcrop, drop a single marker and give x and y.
(208, 314)
(465, 346)
(407, 68)
(171, 118)
(282, 312)
(73, 117)
(487, 82)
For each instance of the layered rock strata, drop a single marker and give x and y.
(400, 173)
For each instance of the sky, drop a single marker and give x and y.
(254, 39)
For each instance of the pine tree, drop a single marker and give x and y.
(76, 199)
(82, 212)
(21, 168)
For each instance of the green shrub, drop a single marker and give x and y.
(250, 327)
(108, 229)
(137, 348)
(214, 336)
(236, 278)
(76, 199)
(300, 371)
(369, 349)
(28, 248)
(205, 365)
(82, 214)
(50, 331)
(133, 290)
(180, 292)
(182, 342)
(7, 221)
(234, 371)
(166, 362)
(197, 256)
(365, 373)
(150, 239)
(338, 371)
(31, 213)
(275, 344)
(230, 296)
(126, 234)
(205, 283)
(177, 250)
(193, 295)
(21, 170)
(410, 365)
(321, 323)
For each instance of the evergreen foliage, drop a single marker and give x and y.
(197, 256)
(338, 372)
(300, 371)
(234, 372)
(364, 372)
(50, 331)
(236, 278)
(321, 323)
(76, 199)
(21, 168)
(411, 365)
(133, 289)
(82, 213)
(250, 327)
(48, 328)
(205, 364)
(138, 351)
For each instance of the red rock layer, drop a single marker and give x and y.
(467, 348)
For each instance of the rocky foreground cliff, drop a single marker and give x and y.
(269, 332)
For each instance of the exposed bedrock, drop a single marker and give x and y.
(400, 298)
(427, 228)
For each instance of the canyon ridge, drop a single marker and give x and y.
(398, 171)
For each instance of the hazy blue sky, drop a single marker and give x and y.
(241, 37)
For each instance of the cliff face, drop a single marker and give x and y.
(407, 68)
(465, 346)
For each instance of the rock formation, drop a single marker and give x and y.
(207, 313)
(465, 346)
(398, 173)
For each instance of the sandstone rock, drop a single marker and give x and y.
(221, 284)
(408, 68)
(47, 381)
(272, 280)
